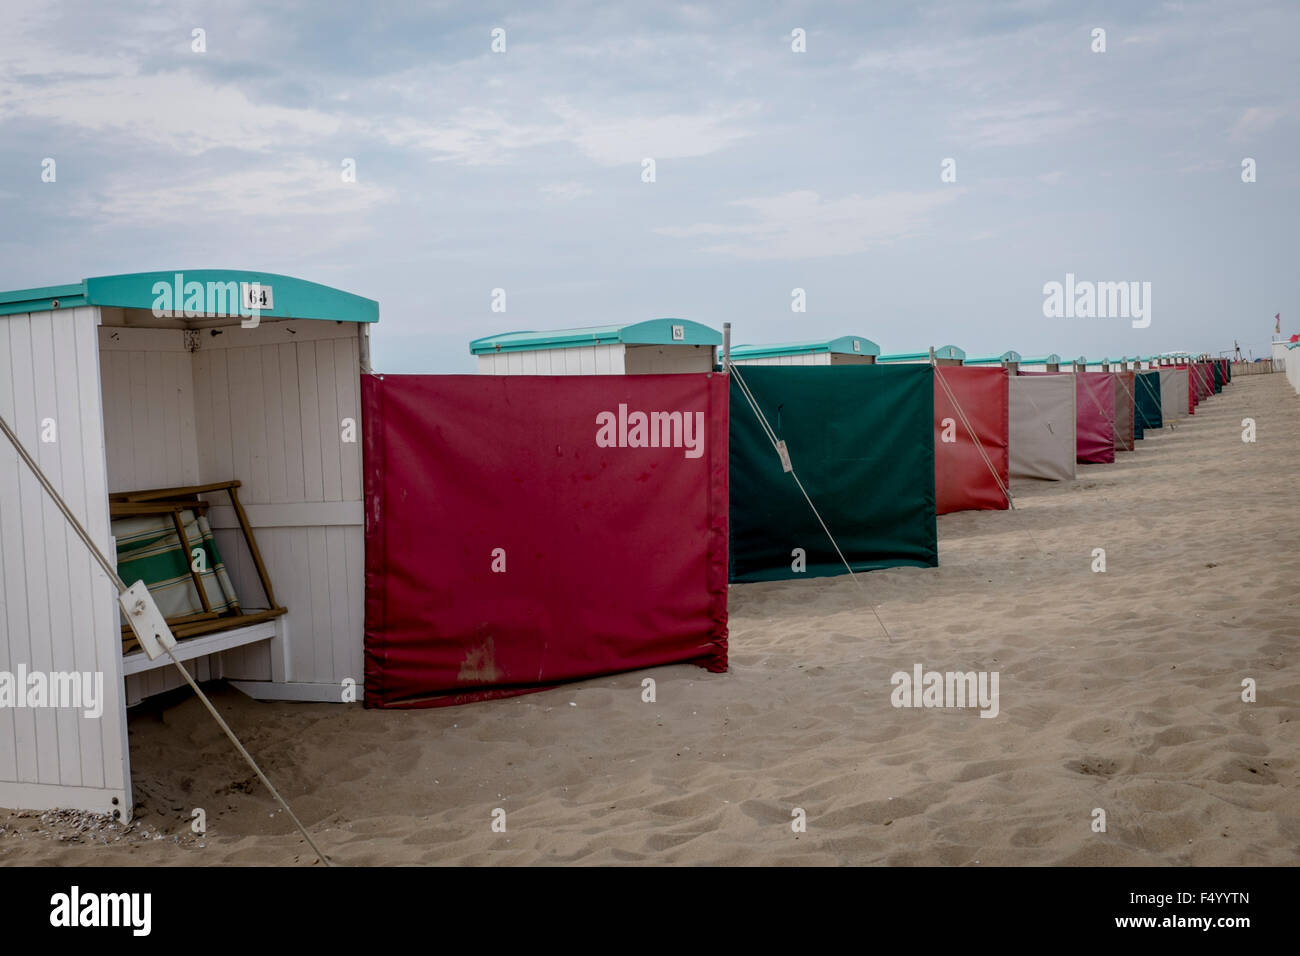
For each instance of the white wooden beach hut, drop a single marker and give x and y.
(652, 347)
(1009, 360)
(943, 355)
(844, 350)
(1041, 363)
(187, 382)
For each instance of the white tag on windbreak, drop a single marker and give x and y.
(785, 456)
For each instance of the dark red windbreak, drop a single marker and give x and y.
(1095, 417)
(1199, 371)
(615, 557)
(962, 479)
(1191, 388)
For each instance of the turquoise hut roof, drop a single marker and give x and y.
(650, 332)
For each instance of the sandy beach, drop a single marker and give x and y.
(1118, 690)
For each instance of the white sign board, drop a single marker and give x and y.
(255, 295)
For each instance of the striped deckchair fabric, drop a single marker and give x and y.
(149, 550)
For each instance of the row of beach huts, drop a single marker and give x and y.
(315, 531)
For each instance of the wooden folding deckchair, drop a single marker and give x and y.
(173, 502)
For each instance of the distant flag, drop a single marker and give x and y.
(1277, 324)
(1296, 337)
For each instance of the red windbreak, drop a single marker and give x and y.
(962, 478)
(525, 530)
(1095, 411)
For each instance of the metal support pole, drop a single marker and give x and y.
(363, 347)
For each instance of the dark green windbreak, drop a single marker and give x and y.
(1148, 399)
(861, 439)
(1217, 369)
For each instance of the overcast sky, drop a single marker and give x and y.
(775, 170)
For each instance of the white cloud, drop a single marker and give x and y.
(24, 47)
(1256, 120)
(176, 111)
(293, 189)
(476, 137)
(564, 192)
(489, 137)
(1020, 124)
(180, 110)
(613, 140)
(803, 225)
(923, 60)
(1214, 165)
(45, 78)
(183, 113)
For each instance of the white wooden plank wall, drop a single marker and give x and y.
(149, 427)
(587, 360)
(667, 359)
(818, 358)
(148, 409)
(270, 415)
(264, 406)
(57, 611)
